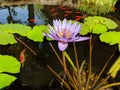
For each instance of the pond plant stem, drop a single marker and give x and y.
(61, 79)
(77, 65)
(109, 85)
(99, 75)
(76, 57)
(90, 63)
(56, 53)
(64, 63)
(26, 46)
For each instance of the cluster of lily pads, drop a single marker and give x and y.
(63, 32)
(103, 26)
(9, 65)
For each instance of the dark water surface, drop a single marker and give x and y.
(35, 75)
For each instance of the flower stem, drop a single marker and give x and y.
(64, 82)
(64, 63)
(76, 57)
(26, 46)
(109, 85)
(90, 63)
(103, 69)
(56, 53)
(77, 65)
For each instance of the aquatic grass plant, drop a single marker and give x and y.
(96, 7)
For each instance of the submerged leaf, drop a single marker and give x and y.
(6, 80)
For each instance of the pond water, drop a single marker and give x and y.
(35, 75)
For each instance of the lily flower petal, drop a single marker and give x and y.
(62, 46)
(65, 32)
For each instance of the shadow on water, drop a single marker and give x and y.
(35, 75)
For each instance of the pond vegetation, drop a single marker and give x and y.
(28, 45)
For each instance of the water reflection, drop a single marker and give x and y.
(24, 14)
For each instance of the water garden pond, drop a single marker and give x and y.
(34, 75)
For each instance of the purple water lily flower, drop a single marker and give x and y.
(65, 32)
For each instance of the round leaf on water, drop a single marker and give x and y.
(6, 38)
(110, 24)
(110, 37)
(15, 28)
(21, 29)
(6, 80)
(37, 33)
(99, 28)
(98, 24)
(85, 29)
(9, 64)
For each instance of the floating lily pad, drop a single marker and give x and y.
(36, 34)
(110, 37)
(97, 25)
(6, 38)
(99, 28)
(8, 65)
(7, 31)
(15, 28)
(6, 80)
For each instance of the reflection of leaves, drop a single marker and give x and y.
(8, 64)
(97, 25)
(37, 33)
(110, 37)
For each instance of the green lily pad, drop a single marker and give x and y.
(7, 31)
(110, 37)
(97, 25)
(15, 28)
(6, 38)
(6, 80)
(37, 33)
(85, 29)
(9, 64)
(99, 28)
